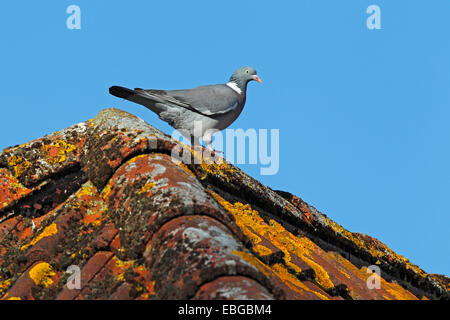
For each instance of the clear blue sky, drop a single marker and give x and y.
(363, 114)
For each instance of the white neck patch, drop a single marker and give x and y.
(234, 86)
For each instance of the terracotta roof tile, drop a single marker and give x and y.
(107, 195)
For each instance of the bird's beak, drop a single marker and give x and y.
(255, 77)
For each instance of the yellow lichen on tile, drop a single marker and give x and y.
(292, 282)
(253, 261)
(121, 266)
(210, 165)
(397, 291)
(5, 284)
(145, 296)
(5, 297)
(19, 165)
(262, 250)
(91, 123)
(48, 231)
(87, 189)
(144, 287)
(106, 190)
(322, 277)
(134, 159)
(374, 251)
(146, 187)
(95, 223)
(246, 218)
(92, 205)
(301, 247)
(183, 166)
(57, 151)
(218, 169)
(347, 234)
(347, 265)
(41, 274)
(10, 188)
(253, 226)
(394, 291)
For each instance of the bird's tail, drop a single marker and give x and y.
(151, 102)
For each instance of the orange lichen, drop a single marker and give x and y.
(19, 165)
(57, 151)
(10, 188)
(48, 231)
(42, 274)
(88, 199)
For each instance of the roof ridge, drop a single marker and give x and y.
(117, 173)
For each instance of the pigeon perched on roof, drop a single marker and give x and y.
(198, 112)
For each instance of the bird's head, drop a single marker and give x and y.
(244, 75)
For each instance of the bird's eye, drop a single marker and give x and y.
(246, 71)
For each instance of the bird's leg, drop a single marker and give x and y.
(196, 146)
(208, 140)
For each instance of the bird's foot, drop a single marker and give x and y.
(218, 152)
(213, 153)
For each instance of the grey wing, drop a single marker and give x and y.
(207, 100)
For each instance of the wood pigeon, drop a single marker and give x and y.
(197, 112)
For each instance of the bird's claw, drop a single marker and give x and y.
(218, 152)
(214, 153)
